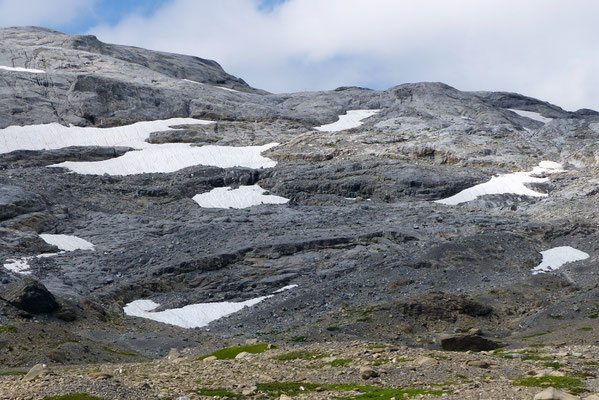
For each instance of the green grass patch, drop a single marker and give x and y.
(364, 319)
(380, 361)
(558, 317)
(8, 329)
(463, 330)
(300, 355)
(596, 363)
(585, 329)
(380, 346)
(534, 335)
(120, 353)
(298, 339)
(13, 373)
(572, 385)
(537, 358)
(364, 392)
(221, 393)
(230, 353)
(552, 364)
(333, 328)
(340, 362)
(73, 396)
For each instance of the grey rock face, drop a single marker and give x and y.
(16, 201)
(372, 252)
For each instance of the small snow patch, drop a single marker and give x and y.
(284, 288)
(506, 184)
(19, 69)
(64, 242)
(189, 80)
(67, 242)
(531, 115)
(242, 197)
(18, 266)
(352, 119)
(554, 258)
(227, 89)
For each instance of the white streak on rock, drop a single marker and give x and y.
(19, 69)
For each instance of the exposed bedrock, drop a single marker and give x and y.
(365, 247)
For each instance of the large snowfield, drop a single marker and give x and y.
(242, 197)
(57, 136)
(506, 184)
(149, 158)
(171, 157)
(352, 119)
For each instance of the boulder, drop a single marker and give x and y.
(465, 342)
(31, 296)
(554, 394)
(368, 373)
(66, 314)
(36, 371)
(57, 356)
(425, 361)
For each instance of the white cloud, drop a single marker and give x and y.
(43, 12)
(543, 48)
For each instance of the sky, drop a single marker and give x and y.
(548, 49)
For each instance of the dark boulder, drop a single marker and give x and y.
(465, 342)
(31, 296)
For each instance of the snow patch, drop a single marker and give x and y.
(227, 89)
(57, 136)
(193, 315)
(352, 119)
(64, 242)
(151, 158)
(171, 157)
(19, 69)
(284, 288)
(18, 266)
(67, 242)
(531, 115)
(554, 258)
(506, 184)
(189, 80)
(242, 197)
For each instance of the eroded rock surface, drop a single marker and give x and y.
(372, 252)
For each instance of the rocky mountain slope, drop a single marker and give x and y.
(390, 215)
